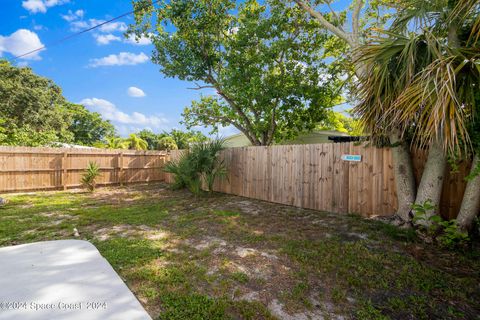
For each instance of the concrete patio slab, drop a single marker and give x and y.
(65, 279)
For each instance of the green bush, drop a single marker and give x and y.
(199, 164)
(89, 178)
(445, 232)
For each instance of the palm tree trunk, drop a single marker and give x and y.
(471, 199)
(431, 184)
(404, 178)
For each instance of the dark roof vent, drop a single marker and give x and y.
(338, 139)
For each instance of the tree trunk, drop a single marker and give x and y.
(471, 199)
(431, 184)
(404, 179)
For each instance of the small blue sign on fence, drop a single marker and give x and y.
(352, 157)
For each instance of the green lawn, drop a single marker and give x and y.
(226, 257)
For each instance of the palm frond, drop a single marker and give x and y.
(440, 102)
(417, 14)
(469, 11)
(391, 64)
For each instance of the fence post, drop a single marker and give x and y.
(120, 168)
(64, 175)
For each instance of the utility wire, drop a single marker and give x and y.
(57, 42)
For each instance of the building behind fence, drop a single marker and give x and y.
(308, 176)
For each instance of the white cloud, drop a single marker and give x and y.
(78, 25)
(106, 33)
(34, 6)
(121, 59)
(110, 112)
(135, 92)
(142, 41)
(72, 16)
(112, 26)
(103, 39)
(20, 42)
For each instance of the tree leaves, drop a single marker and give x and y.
(265, 62)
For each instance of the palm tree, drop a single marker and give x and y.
(115, 143)
(134, 142)
(420, 80)
(167, 143)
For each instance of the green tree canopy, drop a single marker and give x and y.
(166, 143)
(30, 108)
(340, 122)
(183, 139)
(265, 63)
(150, 137)
(33, 112)
(87, 127)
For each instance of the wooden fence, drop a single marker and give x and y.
(308, 176)
(315, 176)
(312, 176)
(23, 168)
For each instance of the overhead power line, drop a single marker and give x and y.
(57, 42)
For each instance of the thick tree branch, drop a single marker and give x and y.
(325, 23)
(215, 119)
(356, 21)
(248, 124)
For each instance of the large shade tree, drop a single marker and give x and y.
(31, 108)
(33, 112)
(87, 127)
(261, 63)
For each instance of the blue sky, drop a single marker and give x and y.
(100, 69)
(96, 68)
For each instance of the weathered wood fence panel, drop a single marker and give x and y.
(314, 176)
(309, 176)
(23, 168)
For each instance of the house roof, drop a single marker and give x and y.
(318, 136)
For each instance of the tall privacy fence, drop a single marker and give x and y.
(335, 177)
(23, 168)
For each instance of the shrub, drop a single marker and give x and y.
(89, 178)
(197, 165)
(452, 236)
(445, 232)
